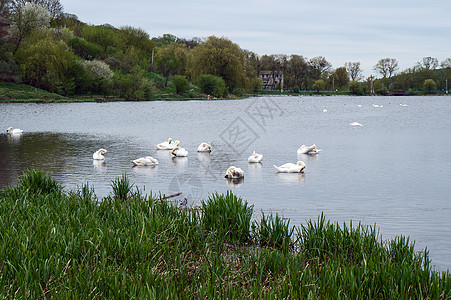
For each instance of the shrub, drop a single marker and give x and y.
(84, 49)
(212, 85)
(38, 182)
(180, 83)
(133, 86)
(355, 88)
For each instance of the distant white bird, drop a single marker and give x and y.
(325, 110)
(10, 130)
(359, 105)
(234, 172)
(179, 152)
(308, 150)
(291, 168)
(99, 154)
(145, 161)
(255, 158)
(204, 147)
(377, 105)
(168, 145)
(404, 105)
(355, 124)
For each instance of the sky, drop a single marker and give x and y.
(340, 30)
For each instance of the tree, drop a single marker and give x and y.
(171, 60)
(220, 57)
(428, 63)
(429, 85)
(53, 6)
(355, 87)
(31, 16)
(319, 67)
(446, 63)
(386, 67)
(341, 77)
(319, 85)
(354, 70)
(5, 7)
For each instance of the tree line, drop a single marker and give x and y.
(55, 51)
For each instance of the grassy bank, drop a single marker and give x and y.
(21, 93)
(56, 244)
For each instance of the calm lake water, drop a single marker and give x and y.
(394, 171)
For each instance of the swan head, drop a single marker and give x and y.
(177, 142)
(301, 164)
(229, 170)
(9, 129)
(102, 151)
(169, 140)
(175, 148)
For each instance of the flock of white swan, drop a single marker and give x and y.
(231, 173)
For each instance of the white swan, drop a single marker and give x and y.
(325, 110)
(403, 105)
(234, 172)
(377, 105)
(145, 161)
(10, 130)
(204, 147)
(255, 158)
(355, 124)
(168, 145)
(291, 168)
(179, 152)
(99, 154)
(308, 150)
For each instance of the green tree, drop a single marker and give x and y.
(429, 85)
(356, 88)
(341, 77)
(319, 85)
(220, 57)
(171, 60)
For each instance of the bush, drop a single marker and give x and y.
(180, 83)
(295, 89)
(355, 88)
(84, 49)
(9, 71)
(212, 85)
(133, 86)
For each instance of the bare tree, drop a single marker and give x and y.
(446, 63)
(386, 67)
(428, 63)
(5, 8)
(320, 66)
(354, 70)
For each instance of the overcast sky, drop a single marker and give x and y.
(340, 30)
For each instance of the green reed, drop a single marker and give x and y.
(73, 245)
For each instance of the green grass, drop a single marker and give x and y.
(15, 92)
(58, 244)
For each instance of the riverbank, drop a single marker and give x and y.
(58, 243)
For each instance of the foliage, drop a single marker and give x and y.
(220, 57)
(9, 71)
(341, 77)
(122, 188)
(171, 60)
(15, 91)
(211, 85)
(429, 85)
(354, 70)
(47, 64)
(133, 86)
(84, 49)
(180, 83)
(38, 182)
(356, 88)
(319, 85)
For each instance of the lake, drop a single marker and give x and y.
(394, 171)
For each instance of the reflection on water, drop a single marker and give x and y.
(377, 174)
(234, 182)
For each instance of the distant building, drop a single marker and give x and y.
(271, 79)
(4, 26)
